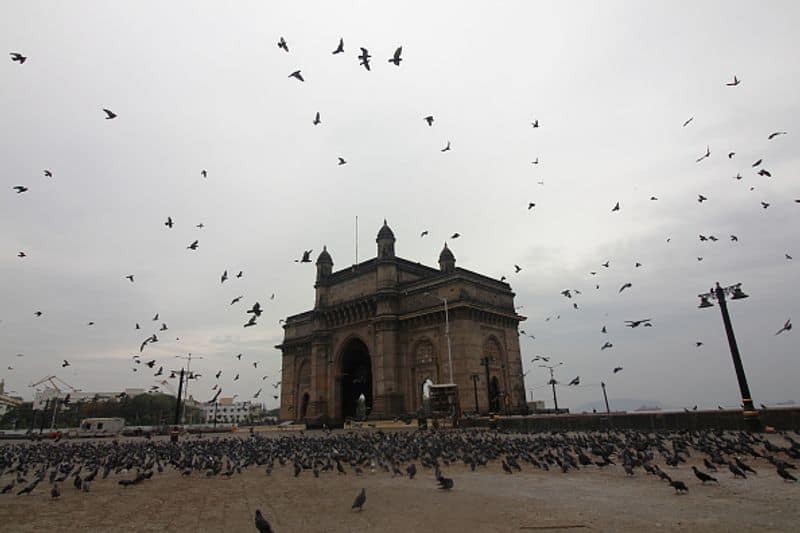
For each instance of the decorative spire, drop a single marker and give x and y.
(385, 241)
(447, 261)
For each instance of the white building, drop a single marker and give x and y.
(228, 411)
(7, 401)
(42, 396)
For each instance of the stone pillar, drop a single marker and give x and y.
(288, 386)
(387, 394)
(320, 354)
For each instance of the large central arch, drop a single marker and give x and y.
(356, 376)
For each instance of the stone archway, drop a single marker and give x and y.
(304, 406)
(356, 377)
(494, 395)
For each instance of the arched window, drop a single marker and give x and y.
(491, 348)
(424, 354)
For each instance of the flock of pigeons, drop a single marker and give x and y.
(666, 456)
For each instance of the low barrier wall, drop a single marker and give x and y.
(778, 418)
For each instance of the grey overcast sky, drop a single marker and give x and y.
(202, 85)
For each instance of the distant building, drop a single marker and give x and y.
(6, 401)
(536, 405)
(43, 396)
(230, 412)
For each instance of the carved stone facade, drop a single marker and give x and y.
(379, 329)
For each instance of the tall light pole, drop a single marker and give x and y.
(553, 381)
(188, 377)
(719, 293)
(605, 396)
(446, 334)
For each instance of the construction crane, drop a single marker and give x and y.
(54, 382)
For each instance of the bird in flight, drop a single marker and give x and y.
(255, 311)
(282, 44)
(734, 238)
(637, 264)
(787, 326)
(251, 322)
(155, 318)
(517, 269)
(615, 208)
(169, 222)
(22, 254)
(535, 123)
(567, 293)
(47, 173)
(240, 274)
(342, 161)
(606, 264)
(698, 344)
(625, 286)
(535, 162)
(19, 58)
(705, 155)
(423, 233)
(606, 345)
(109, 114)
(686, 123)
(617, 369)
(396, 59)
(787, 256)
(193, 246)
(764, 205)
(764, 172)
(756, 163)
(20, 189)
(773, 135)
(364, 58)
(37, 314)
(446, 148)
(65, 364)
(317, 119)
(701, 198)
(200, 226)
(297, 74)
(306, 257)
(731, 154)
(637, 323)
(531, 205)
(429, 120)
(455, 235)
(224, 277)
(340, 48)
(130, 277)
(204, 173)
(576, 381)
(733, 83)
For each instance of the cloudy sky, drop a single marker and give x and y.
(201, 85)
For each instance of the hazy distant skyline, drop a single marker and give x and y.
(200, 86)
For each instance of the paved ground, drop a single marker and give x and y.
(486, 500)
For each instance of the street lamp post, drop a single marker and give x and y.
(719, 293)
(553, 381)
(475, 378)
(446, 333)
(605, 397)
(485, 360)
